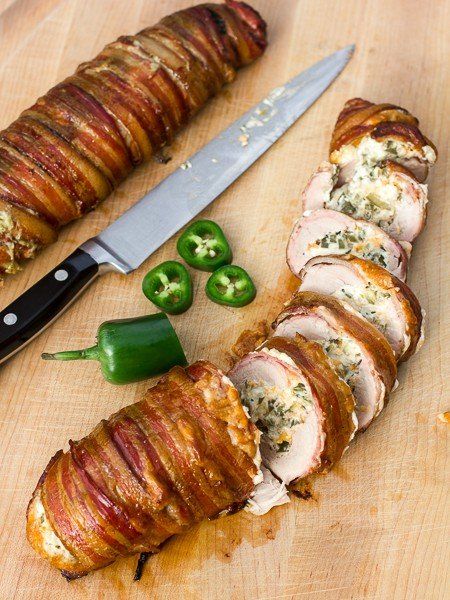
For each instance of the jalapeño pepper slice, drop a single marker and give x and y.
(169, 287)
(203, 245)
(232, 286)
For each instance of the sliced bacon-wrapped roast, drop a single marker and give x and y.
(359, 353)
(386, 195)
(66, 153)
(303, 409)
(372, 133)
(385, 301)
(321, 232)
(186, 452)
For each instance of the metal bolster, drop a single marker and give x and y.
(105, 257)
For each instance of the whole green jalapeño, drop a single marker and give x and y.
(131, 350)
(203, 246)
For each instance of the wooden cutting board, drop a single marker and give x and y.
(378, 526)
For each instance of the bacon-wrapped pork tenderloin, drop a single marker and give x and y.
(386, 195)
(78, 142)
(303, 409)
(372, 133)
(321, 232)
(359, 353)
(385, 301)
(186, 452)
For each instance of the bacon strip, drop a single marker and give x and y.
(67, 152)
(186, 452)
(360, 117)
(382, 122)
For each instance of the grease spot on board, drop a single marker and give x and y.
(304, 491)
(420, 418)
(395, 496)
(285, 287)
(233, 532)
(226, 93)
(288, 220)
(341, 472)
(215, 541)
(444, 417)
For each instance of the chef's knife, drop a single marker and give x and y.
(133, 237)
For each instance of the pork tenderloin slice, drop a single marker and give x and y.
(319, 186)
(386, 195)
(292, 438)
(384, 143)
(322, 232)
(305, 412)
(377, 295)
(360, 355)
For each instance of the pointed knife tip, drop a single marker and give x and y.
(350, 49)
(344, 54)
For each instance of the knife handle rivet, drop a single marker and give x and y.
(61, 275)
(10, 319)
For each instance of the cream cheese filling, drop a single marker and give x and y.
(374, 304)
(51, 544)
(277, 412)
(370, 301)
(345, 356)
(371, 151)
(372, 194)
(10, 240)
(358, 241)
(6, 222)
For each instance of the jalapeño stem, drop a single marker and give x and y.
(85, 354)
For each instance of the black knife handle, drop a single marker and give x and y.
(30, 314)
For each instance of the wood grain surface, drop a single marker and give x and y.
(376, 528)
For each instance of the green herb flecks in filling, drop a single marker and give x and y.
(356, 242)
(276, 412)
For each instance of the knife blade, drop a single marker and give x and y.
(126, 243)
